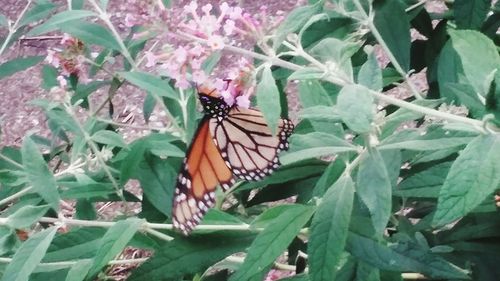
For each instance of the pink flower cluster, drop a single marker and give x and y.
(70, 60)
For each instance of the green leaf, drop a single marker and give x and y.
(356, 107)
(109, 138)
(37, 12)
(370, 74)
(91, 33)
(373, 186)
(394, 28)
(329, 177)
(49, 76)
(321, 112)
(434, 138)
(329, 229)
(307, 73)
(337, 53)
(312, 93)
(26, 216)
(270, 215)
(470, 14)
(28, 256)
(474, 175)
(39, 175)
(425, 184)
(59, 19)
(268, 99)
(199, 252)
(157, 178)
(314, 144)
(79, 270)
(18, 64)
(272, 241)
(78, 243)
(402, 258)
(150, 83)
(211, 62)
(113, 242)
(479, 57)
(294, 21)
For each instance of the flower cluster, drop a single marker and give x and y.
(70, 60)
(215, 27)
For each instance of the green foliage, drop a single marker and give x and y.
(377, 185)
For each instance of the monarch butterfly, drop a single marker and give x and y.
(231, 141)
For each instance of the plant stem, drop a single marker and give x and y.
(16, 195)
(105, 18)
(7, 159)
(13, 28)
(138, 127)
(392, 58)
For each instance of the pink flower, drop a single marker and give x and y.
(62, 81)
(216, 42)
(151, 59)
(182, 83)
(235, 13)
(243, 101)
(53, 58)
(180, 54)
(197, 50)
(196, 64)
(228, 97)
(130, 20)
(207, 8)
(229, 27)
(191, 8)
(199, 77)
(224, 8)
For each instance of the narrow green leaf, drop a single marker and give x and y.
(373, 186)
(38, 11)
(79, 270)
(294, 21)
(211, 62)
(370, 74)
(270, 215)
(470, 14)
(109, 137)
(474, 175)
(268, 99)
(150, 83)
(199, 252)
(307, 73)
(113, 242)
(79, 243)
(392, 24)
(313, 145)
(38, 173)
(356, 107)
(28, 256)
(479, 56)
(91, 33)
(58, 19)
(402, 257)
(434, 138)
(26, 216)
(272, 241)
(329, 229)
(329, 177)
(338, 53)
(18, 64)
(49, 76)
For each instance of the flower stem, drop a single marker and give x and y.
(13, 28)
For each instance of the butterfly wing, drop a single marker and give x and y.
(246, 143)
(203, 169)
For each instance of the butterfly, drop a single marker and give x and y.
(231, 142)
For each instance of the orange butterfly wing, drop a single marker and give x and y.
(203, 169)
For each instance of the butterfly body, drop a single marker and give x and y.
(230, 142)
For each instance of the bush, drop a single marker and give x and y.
(391, 173)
